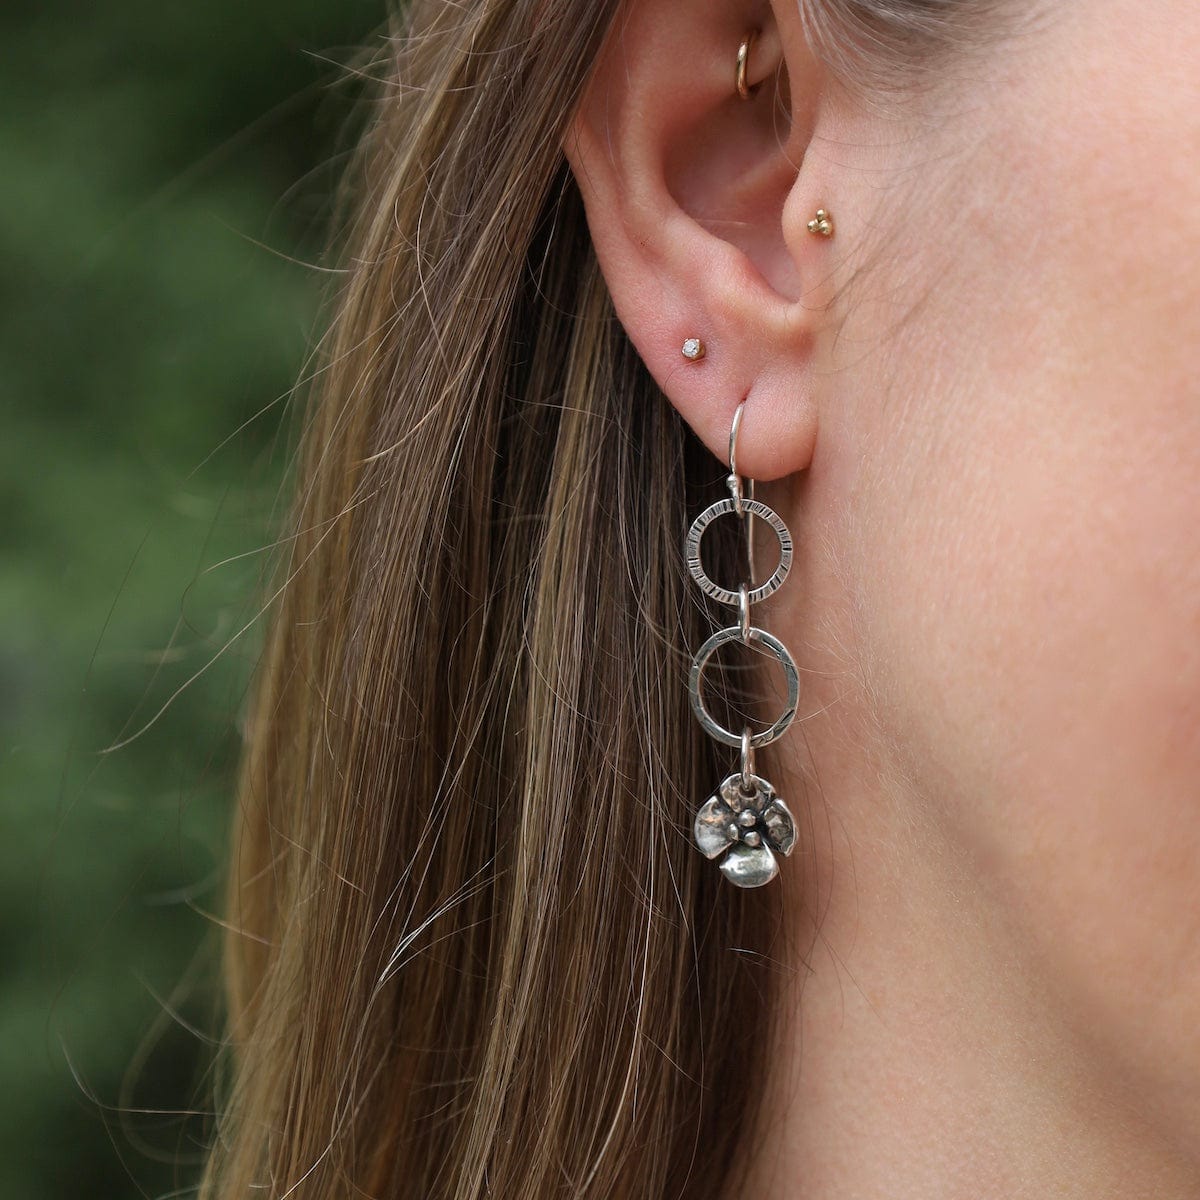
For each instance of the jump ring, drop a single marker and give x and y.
(747, 781)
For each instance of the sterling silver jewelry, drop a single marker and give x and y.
(743, 821)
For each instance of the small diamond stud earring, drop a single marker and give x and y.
(821, 224)
(692, 349)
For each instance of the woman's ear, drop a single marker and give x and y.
(698, 201)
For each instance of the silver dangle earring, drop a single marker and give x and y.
(744, 821)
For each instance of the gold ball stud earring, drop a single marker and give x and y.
(821, 224)
(693, 349)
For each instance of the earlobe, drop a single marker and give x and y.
(685, 183)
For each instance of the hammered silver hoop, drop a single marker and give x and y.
(753, 508)
(696, 680)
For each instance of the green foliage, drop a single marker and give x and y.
(167, 170)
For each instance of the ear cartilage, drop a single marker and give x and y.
(821, 224)
(692, 349)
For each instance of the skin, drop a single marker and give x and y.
(977, 408)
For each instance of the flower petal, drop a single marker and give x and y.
(731, 792)
(749, 866)
(712, 827)
(781, 829)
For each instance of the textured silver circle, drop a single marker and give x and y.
(706, 518)
(696, 679)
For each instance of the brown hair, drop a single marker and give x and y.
(473, 950)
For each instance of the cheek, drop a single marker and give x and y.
(1025, 559)
(1030, 626)
(1030, 629)
(1017, 523)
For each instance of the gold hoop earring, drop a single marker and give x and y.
(743, 63)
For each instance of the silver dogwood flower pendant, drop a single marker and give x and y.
(748, 827)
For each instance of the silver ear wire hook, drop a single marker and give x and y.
(739, 491)
(735, 480)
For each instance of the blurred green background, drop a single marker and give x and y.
(166, 174)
